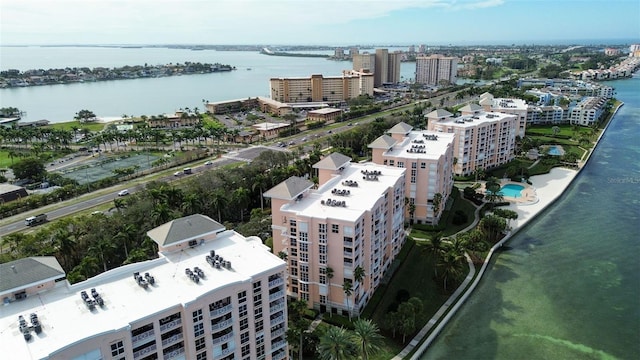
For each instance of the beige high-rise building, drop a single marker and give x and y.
(380, 75)
(436, 70)
(482, 139)
(364, 61)
(394, 66)
(428, 158)
(211, 294)
(353, 221)
(318, 88)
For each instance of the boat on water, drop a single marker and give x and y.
(248, 68)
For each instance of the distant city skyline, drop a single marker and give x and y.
(316, 22)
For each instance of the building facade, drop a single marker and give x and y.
(436, 70)
(428, 158)
(317, 88)
(517, 107)
(351, 225)
(482, 139)
(588, 112)
(211, 294)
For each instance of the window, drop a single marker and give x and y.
(244, 337)
(322, 228)
(257, 287)
(200, 343)
(414, 172)
(242, 310)
(257, 298)
(117, 348)
(201, 356)
(423, 165)
(242, 297)
(414, 165)
(400, 164)
(246, 350)
(257, 313)
(197, 315)
(259, 326)
(198, 329)
(244, 324)
(335, 228)
(323, 299)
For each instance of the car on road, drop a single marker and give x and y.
(208, 163)
(35, 220)
(177, 173)
(124, 192)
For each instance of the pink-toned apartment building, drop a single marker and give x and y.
(428, 158)
(482, 139)
(354, 220)
(211, 294)
(517, 107)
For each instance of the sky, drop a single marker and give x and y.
(317, 22)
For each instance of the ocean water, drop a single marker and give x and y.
(570, 286)
(151, 96)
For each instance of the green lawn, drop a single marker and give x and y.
(414, 275)
(70, 124)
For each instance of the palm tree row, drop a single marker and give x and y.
(339, 344)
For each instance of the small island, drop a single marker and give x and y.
(16, 78)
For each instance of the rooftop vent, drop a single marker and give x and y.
(24, 328)
(35, 323)
(337, 203)
(97, 297)
(432, 137)
(341, 192)
(350, 183)
(90, 303)
(193, 276)
(140, 280)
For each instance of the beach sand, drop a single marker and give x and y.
(548, 188)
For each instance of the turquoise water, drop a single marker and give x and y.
(569, 288)
(553, 150)
(511, 190)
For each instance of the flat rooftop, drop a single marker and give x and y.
(428, 145)
(65, 319)
(475, 119)
(361, 198)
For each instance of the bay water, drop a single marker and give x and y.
(151, 96)
(569, 288)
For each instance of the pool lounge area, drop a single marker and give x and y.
(515, 192)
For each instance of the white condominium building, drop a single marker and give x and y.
(351, 225)
(588, 112)
(482, 139)
(428, 158)
(436, 70)
(211, 294)
(317, 88)
(517, 107)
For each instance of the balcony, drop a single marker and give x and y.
(278, 344)
(276, 282)
(223, 338)
(144, 352)
(170, 325)
(276, 295)
(220, 311)
(142, 338)
(279, 356)
(172, 339)
(227, 351)
(278, 306)
(276, 333)
(221, 325)
(174, 354)
(277, 320)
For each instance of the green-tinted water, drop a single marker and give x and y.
(570, 287)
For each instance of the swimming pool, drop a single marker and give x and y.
(555, 151)
(511, 190)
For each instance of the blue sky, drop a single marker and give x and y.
(329, 22)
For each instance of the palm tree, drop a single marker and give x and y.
(336, 344)
(329, 273)
(298, 324)
(347, 287)
(358, 276)
(451, 267)
(219, 201)
(368, 337)
(434, 247)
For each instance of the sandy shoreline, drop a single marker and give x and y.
(548, 188)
